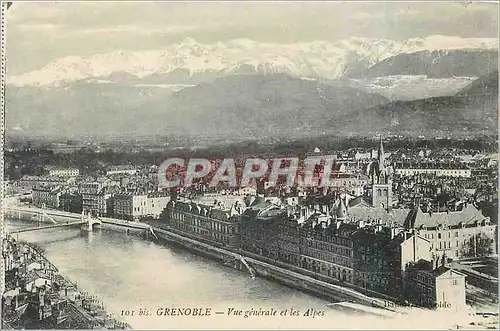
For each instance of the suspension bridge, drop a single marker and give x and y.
(86, 224)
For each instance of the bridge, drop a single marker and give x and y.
(55, 226)
(86, 224)
(40, 213)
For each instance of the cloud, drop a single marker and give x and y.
(138, 30)
(29, 27)
(53, 30)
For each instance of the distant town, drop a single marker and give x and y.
(413, 225)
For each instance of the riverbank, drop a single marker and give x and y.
(37, 296)
(242, 261)
(471, 318)
(269, 270)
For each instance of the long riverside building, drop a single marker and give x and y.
(369, 258)
(207, 223)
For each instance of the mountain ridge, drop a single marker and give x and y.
(233, 105)
(435, 64)
(318, 59)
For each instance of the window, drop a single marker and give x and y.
(456, 234)
(455, 282)
(439, 235)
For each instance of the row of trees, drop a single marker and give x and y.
(478, 245)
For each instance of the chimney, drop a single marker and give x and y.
(414, 247)
(393, 233)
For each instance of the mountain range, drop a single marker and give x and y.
(247, 89)
(190, 62)
(248, 106)
(237, 105)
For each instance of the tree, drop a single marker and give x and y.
(478, 245)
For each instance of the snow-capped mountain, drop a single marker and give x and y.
(318, 59)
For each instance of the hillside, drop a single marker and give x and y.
(485, 85)
(249, 105)
(471, 112)
(79, 109)
(241, 105)
(435, 64)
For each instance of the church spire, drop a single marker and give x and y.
(381, 156)
(341, 211)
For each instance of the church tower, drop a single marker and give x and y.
(381, 182)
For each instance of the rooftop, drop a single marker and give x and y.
(359, 209)
(468, 215)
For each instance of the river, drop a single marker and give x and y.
(131, 274)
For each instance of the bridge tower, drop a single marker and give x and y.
(90, 222)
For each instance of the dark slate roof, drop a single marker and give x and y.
(258, 201)
(468, 215)
(437, 272)
(361, 210)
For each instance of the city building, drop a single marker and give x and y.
(26, 183)
(155, 204)
(63, 172)
(438, 287)
(132, 206)
(46, 196)
(210, 223)
(455, 232)
(434, 168)
(366, 255)
(96, 197)
(71, 202)
(129, 206)
(376, 204)
(121, 169)
(365, 155)
(381, 187)
(64, 148)
(352, 183)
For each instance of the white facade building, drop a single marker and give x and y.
(70, 172)
(132, 207)
(121, 169)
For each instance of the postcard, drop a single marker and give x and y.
(249, 165)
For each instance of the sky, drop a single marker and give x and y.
(39, 33)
